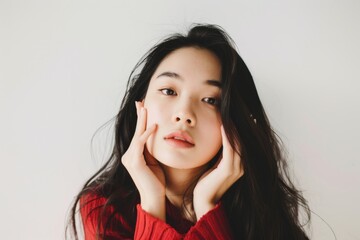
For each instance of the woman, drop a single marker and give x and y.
(195, 156)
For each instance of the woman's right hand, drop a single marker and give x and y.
(147, 174)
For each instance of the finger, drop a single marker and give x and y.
(228, 152)
(238, 161)
(237, 148)
(137, 105)
(144, 137)
(141, 122)
(140, 144)
(238, 167)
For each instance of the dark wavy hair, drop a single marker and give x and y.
(263, 203)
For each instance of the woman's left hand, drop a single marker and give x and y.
(217, 180)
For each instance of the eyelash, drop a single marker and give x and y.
(215, 102)
(167, 89)
(209, 100)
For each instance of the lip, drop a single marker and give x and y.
(180, 139)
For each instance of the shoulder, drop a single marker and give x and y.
(92, 199)
(99, 216)
(92, 207)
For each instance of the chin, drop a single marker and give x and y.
(177, 162)
(176, 165)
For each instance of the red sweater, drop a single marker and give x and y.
(213, 225)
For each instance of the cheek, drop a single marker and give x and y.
(154, 114)
(215, 133)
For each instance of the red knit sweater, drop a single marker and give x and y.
(213, 225)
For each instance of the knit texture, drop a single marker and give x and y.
(213, 225)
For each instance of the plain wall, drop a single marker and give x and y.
(64, 67)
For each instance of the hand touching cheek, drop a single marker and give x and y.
(216, 181)
(145, 172)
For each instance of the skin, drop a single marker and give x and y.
(180, 97)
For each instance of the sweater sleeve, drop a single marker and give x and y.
(94, 217)
(213, 225)
(147, 227)
(150, 227)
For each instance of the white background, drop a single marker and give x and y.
(64, 66)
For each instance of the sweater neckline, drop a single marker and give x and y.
(175, 218)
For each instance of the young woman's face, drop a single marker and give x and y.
(182, 100)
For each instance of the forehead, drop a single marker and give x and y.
(191, 62)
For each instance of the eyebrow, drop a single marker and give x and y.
(211, 82)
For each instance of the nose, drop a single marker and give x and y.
(184, 116)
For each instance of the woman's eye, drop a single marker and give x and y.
(168, 91)
(212, 101)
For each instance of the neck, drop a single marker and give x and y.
(180, 184)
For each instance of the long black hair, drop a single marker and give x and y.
(263, 203)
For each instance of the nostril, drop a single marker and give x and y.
(188, 121)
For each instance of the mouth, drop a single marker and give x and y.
(180, 139)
